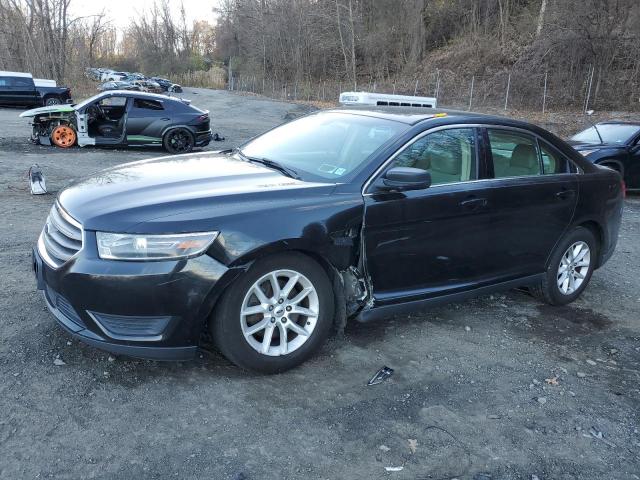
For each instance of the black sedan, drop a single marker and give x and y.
(613, 144)
(341, 214)
(122, 118)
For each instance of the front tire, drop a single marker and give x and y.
(570, 268)
(276, 315)
(178, 140)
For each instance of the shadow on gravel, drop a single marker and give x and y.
(555, 324)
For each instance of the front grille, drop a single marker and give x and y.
(61, 236)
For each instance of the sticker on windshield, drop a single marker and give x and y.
(340, 171)
(326, 168)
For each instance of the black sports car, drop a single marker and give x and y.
(615, 145)
(123, 118)
(167, 85)
(117, 85)
(340, 214)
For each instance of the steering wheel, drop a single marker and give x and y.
(95, 111)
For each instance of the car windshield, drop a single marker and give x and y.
(324, 146)
(610, 133)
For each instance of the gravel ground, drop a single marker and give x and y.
(500, 387)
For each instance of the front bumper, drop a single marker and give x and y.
(153, 310)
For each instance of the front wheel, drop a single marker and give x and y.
(178, 140)
(570, 268)
(276, 315)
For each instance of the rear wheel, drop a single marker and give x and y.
(178, 140)
(276, 315)
(63, 136)
(570, 268)
(52, 101)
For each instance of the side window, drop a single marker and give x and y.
(449, 155)
(552, 162)
(514, 154)
(147, 104)
(113, 102)
(21, 82)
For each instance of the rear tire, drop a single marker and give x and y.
(570, 268)
(248, 326)
(178, 140)
(49, 101)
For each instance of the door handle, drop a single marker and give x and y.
(474, 203)
(564, 194)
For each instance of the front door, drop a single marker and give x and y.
(422, 243)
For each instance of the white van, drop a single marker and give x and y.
(384, 99)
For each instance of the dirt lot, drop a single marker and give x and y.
(469, 398)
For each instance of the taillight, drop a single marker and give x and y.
(623, 186)
(203, 118)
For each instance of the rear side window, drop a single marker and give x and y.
(514, 154)
(552, 162)
(147, 104)
(449, 155)
(20, 82)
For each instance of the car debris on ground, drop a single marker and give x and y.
(380, 376)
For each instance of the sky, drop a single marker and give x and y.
(120, 12)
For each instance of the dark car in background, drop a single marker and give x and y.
(18, 89)
(123, 118)
(342, 213)
(167, 85)
(614, 144)
(119, 85)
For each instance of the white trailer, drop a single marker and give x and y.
(384, 99)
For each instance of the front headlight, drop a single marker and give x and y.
(125, 246)
(586, 153)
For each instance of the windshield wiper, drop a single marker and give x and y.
(288, 171)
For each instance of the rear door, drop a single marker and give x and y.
(531, 201)
(23, 91)
(146, 121)
(423, 243)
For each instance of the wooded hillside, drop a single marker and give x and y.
(520, 53)
(443, 45)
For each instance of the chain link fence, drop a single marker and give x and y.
(508, 90)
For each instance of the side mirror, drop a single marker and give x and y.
(402, 179)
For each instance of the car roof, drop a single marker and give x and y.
(129, 93)
(415, 115)
(620, 122)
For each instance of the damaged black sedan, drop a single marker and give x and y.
(122, 118)
(341, 214)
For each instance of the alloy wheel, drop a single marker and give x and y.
(279, 312)
(180, 141)
(573, 268)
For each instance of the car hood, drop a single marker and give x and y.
(180, 193)
(65, 108)
(592, 146)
